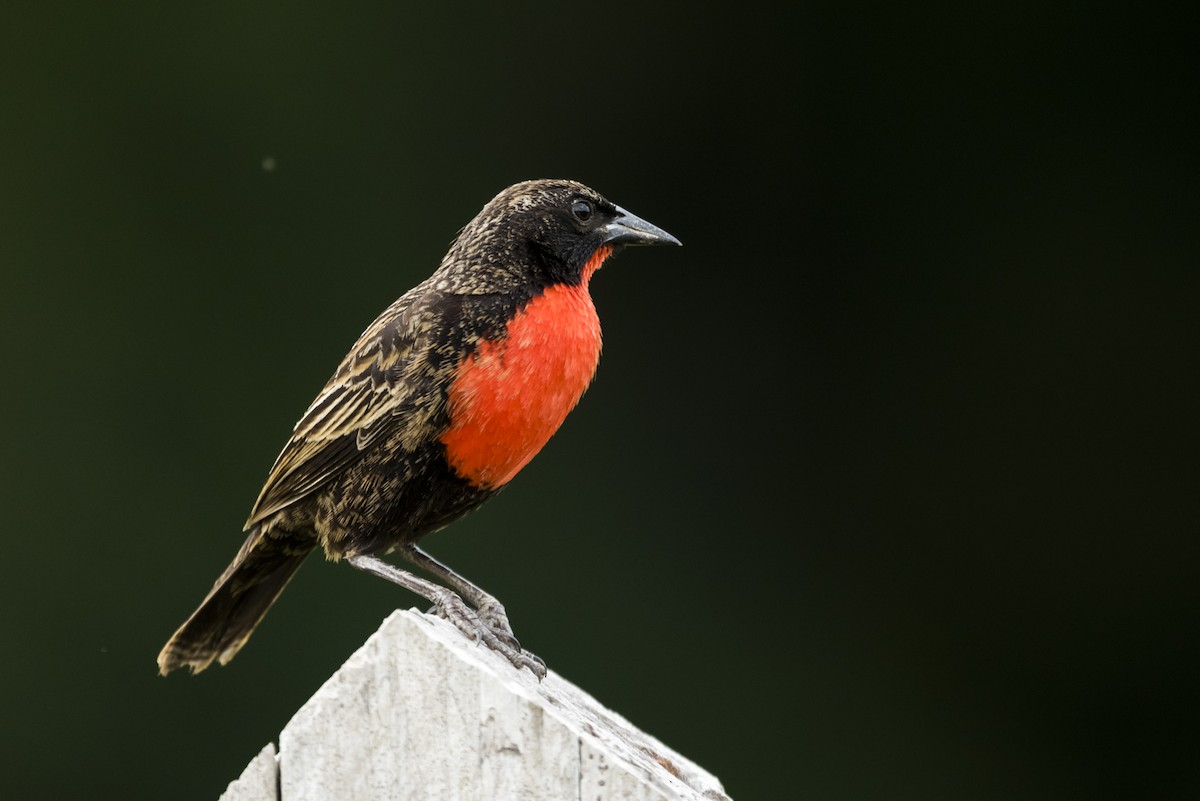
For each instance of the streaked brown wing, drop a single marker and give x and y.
(353, 410)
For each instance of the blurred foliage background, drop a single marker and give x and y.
(887, 485)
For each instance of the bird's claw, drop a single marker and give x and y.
(492, 613)
(490, 628)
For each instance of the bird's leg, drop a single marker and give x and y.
(490, 610)
(448, 605)
(452, 608)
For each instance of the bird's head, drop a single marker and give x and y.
(555, 227)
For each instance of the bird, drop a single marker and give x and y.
(444, 398)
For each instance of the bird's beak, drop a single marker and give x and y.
(630, 229)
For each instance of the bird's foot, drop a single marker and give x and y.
(487, 627)
(492, 613)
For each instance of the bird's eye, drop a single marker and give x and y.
(582, 210)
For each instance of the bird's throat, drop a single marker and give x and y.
(511, 394)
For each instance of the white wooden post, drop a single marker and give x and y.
(421, 712)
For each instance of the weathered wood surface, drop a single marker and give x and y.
(420, 712)
(260, 779)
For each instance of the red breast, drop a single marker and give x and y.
(511, 394)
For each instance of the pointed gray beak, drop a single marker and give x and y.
(630, 229)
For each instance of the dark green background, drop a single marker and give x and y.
(887, 485)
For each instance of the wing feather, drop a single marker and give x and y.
(369, 389)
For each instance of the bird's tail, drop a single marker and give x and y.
(236, 603)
